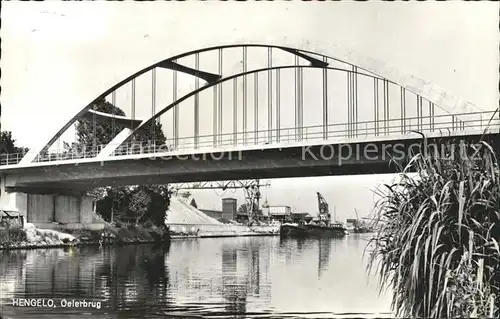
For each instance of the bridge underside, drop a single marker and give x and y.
(381, 167)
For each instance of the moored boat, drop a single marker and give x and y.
(293, 230)
(361, 227)
(312, 230)
(362, 230)
(322, 228)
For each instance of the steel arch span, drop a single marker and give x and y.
(254, 69)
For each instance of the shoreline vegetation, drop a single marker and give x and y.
(15, 237)
(437, 245)
(30, 237)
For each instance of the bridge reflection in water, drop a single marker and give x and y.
(226, 277)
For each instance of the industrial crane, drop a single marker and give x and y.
(251, 188)
(358, 221)
(324, 213)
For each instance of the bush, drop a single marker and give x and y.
(466, 291)
(148, 224)
(12, 235)
(131, 226)
(439, 232)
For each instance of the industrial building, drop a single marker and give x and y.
(280, 213)
(229, 210)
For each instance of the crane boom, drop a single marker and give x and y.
(324, 213)
(235, 184)
(357, 217)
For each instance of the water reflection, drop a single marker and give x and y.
(231, 288)
(233, 277)
(325, 246)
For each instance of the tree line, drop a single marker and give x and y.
(8, 144)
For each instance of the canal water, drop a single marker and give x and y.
(246, 277)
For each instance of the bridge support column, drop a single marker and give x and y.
(66, 212)
(52, 211)
(14, 202)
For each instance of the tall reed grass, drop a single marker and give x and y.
(437, 244)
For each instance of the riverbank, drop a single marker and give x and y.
(219, 235)
(180, 231)
(31, 237)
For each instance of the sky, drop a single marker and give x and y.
(58, 56)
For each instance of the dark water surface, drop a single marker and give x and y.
(246, 277)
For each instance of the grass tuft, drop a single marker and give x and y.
(437, 244)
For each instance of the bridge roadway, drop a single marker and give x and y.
(360, 156)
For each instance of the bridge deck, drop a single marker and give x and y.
(369, 131)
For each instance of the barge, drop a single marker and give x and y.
(312, 230)
(322, 228)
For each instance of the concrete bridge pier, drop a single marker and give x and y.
(52, 211)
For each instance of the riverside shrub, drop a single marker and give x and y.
(13, 234)
(437, 245)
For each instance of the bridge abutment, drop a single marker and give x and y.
(52, 211)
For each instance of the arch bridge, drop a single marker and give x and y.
(241, 111)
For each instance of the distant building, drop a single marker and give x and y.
(229, 208)
(280, 213)
(279, 210)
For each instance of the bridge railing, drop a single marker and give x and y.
(448, 124)
(445, 125)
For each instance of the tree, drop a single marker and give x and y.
(140, 203)
(11, 153)
(148, 203)
(160, 201)
(106, 131)
(8, 144)
(98, 193)
(114, 204)
(243, 209)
